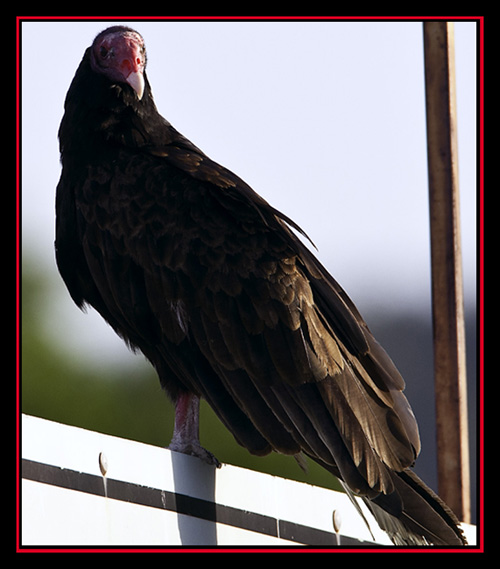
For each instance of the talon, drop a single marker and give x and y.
(195, 449)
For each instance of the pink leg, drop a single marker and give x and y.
(186, 429)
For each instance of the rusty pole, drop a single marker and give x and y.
(447, 291)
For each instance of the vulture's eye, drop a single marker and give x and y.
(103, 52)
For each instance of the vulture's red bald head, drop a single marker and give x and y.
(119, 53)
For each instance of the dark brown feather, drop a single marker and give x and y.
(189, 265)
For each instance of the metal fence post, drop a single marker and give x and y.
(447, 291)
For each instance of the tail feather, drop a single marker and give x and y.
(424, 519)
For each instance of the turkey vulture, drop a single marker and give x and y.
(212, 284)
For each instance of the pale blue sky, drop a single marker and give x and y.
(326, 120)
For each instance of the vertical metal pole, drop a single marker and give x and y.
(447, 292)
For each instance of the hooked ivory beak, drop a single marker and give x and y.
(136, 81)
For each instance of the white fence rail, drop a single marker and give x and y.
(151, 497)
